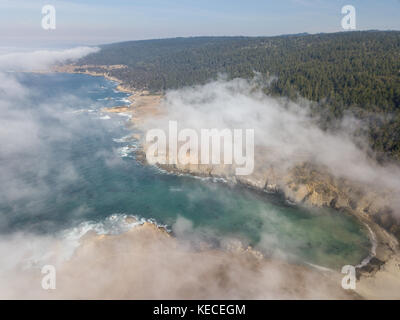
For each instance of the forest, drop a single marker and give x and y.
(342, 73)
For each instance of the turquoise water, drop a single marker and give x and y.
(82, 172)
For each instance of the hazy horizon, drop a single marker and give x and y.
(91, 22)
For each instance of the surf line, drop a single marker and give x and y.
(372, 252)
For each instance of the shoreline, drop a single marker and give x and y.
(384, 246)
(145, 262)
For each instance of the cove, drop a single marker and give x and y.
(89, 172)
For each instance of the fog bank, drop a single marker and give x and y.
(285, 133)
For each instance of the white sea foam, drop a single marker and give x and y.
(127, 151)
(372, 252)
(290, 202)
(115, 224)
(189, 175)
(175, 189)
(126, 100)
(318, 267)
(123, 139)
(125, 115)
(42, 249)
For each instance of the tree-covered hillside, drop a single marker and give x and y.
(341, 71)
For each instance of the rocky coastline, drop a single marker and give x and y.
(304, 183)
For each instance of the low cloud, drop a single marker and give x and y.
(41, 60)
(31, 171)
(285, 133)
(145, 263)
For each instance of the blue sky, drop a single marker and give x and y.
(101, 21)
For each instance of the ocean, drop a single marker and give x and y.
(73, 169)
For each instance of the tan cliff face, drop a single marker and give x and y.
(311, 184)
